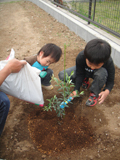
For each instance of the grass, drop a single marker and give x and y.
(107, 12)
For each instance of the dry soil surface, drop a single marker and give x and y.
(27, 136)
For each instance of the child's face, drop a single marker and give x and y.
(93, 66)
(45, 61)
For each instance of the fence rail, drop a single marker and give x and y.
(105, 14)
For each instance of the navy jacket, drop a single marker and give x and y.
(81, 68)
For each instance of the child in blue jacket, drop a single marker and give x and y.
(48, 54)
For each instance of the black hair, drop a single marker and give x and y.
(97, 51)
(52, 50)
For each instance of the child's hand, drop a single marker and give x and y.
(103, 95)
(73, 94)
(43, 74)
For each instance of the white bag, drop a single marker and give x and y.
(25, 85)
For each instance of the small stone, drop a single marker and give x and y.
(8, 50)
(98, 155)
(91, 157)
(43, 156)
(118, 124)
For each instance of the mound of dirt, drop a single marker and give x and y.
(52, 134)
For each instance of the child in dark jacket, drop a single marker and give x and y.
(93, 62)
(48, 54)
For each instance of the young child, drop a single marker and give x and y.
(48, 54)
(93, 62)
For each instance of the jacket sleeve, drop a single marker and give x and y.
(111, 75)
(31, 59)
(80, 70)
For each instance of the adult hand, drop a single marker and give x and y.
(103, 95)
(15, 65)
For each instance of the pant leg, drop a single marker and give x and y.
(99, 79)
(4, 109)
(68, 71)
(46, 80)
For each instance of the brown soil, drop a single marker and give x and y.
(87, 133)
(52, 134)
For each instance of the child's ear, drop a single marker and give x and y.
(41, 53)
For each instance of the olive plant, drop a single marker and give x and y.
(64, 89)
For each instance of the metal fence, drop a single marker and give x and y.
(105, 14)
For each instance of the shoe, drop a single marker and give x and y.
(85, 83)
(48, 87)
(92, 100)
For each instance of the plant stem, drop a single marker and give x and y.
(64, 68)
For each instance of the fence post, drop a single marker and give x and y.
(90, 8)
(94, 10)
